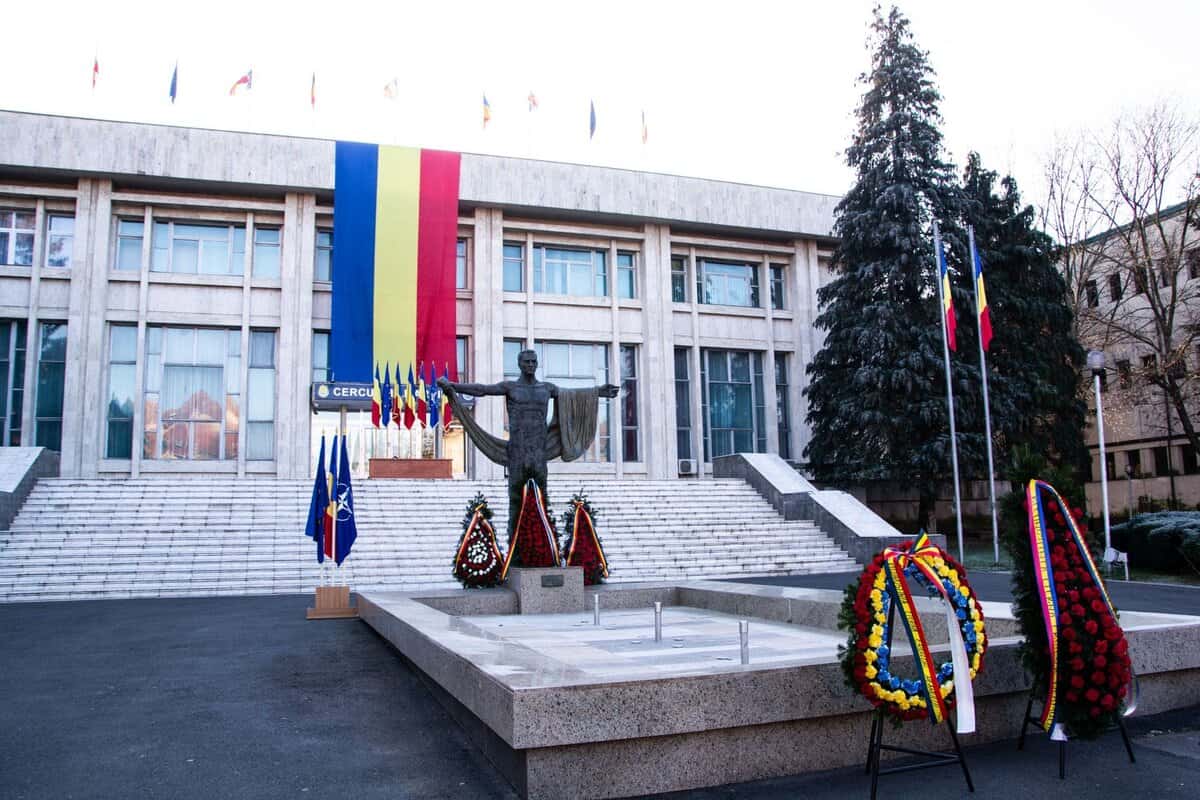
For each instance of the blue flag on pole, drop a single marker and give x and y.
(315, 527)
(386, 415)
(347, 530)
(592, 120)
(432, 397)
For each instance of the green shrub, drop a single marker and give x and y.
(1166, 541)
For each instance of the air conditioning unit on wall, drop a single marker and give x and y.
(687, 466)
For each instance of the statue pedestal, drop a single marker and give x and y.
(410, 468)
(552, 590)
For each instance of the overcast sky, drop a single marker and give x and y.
(749, 91)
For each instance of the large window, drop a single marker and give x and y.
(129, 244)
(320, 356)
(460, 357)
(683, 404)
(323, 268)
(60, 236)
(679, 279)
(781, 405)
(16, 237)
(122, 364)
(571, 365)
(727, 283)
(514, 267)
(733, 403)
(460, 264)
(626, 276)
(629, 403)
(12, 379)
(778, 287)
(51, 372)
(266, 253)
(190, 249)
(192, 393)
(260, 397)
(582, 273)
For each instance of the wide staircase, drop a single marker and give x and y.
(204, 536)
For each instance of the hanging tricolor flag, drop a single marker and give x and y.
(487, 110)
(532, 100)
(398, 399)
(645, 130)
(446, 414)
(391, 89)
(312, 92)
(410, 406)
(947, 298)
(246, 80)
(592, 120)
(376, 399)
(95, 70)
(346, 529)
(981, 304)
(385, 413)
(314, 527)
(325, 543)
(396, 225)
(174, 83)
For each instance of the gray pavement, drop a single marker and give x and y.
(242, 698)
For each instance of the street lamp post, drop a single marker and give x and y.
(1095, 362)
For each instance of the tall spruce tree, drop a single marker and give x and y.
(876, 396)
(1034, 361)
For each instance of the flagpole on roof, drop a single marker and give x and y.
(939, 261)
(977, 272)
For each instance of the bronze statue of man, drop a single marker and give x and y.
(531, 440)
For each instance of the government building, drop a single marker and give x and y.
(166, 303)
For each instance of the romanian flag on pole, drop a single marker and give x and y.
(422, 406)
(947, 298)
(396, 227)
(981, 303)
(376, 399)
(246, 80)
(95, 70)
(446, 414)
(398, 399)
(325, 543)
(410, 405)
(487, 111)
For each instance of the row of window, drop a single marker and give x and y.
(1176, 460)
(1119, 284)
(16, 238)
(733, 406)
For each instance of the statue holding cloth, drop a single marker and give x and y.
(532, 441)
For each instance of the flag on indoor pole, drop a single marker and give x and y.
(410, 405)
(325, 541)
(346, 528)
(398, 399)
(422, 407)
(446, 414)
(431, 397)
(315, 526)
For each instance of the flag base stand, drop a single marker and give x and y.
(1035, 722)
(332, 602)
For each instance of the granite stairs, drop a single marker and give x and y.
(203, 536)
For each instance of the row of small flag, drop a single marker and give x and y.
(391, 91)
(331, 523)
(406, 404)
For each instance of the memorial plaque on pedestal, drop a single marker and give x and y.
(552, 590)
(410, 468)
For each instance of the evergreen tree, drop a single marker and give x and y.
(1034, 361)
(877, 403)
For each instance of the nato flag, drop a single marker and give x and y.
(315, 527)
(592, 120)
(347, 531)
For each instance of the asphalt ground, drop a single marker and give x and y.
(242, 698)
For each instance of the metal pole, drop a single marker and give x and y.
(657, 621)
(1103, 466)
(744, 635)
(595, 609)
(987, 413)
(937, 266)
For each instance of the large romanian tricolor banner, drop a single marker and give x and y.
(395, 226)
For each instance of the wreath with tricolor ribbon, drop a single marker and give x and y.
(1074, 644)
(883, 596)
(477, 560)
(583, 547)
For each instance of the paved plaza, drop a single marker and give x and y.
(241, 697)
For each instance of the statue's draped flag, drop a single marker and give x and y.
(396, 226)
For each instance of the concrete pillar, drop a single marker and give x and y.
(804, 295)
(770, 409)
(488, 324)
(657, 376)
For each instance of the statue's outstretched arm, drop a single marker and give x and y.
(472, 389)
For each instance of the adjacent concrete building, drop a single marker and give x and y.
(165, 301)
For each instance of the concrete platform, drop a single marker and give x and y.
(566, 709)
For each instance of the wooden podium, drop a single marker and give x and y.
(410, 468)
(333, 602)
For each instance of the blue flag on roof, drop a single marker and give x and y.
(346, 530)
(315, 527)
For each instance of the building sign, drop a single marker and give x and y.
(335, 396)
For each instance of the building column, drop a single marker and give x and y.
(807, 308)
(293, 372)
(488, 324)
(657, 369)
(770, 402)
